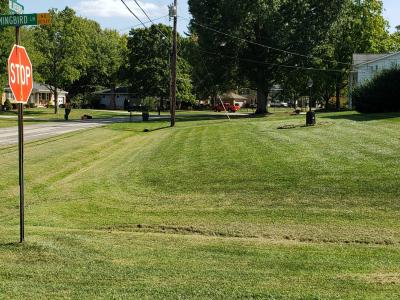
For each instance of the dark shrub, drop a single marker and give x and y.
(8, 105)
(382, 94)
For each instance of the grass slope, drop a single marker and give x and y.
(209, 209)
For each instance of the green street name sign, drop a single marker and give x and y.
(22, 20)
(18, 20)
(15, 7)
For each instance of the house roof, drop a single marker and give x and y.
(40, 88)
(361, 59)
(233, 96)
(118, 90)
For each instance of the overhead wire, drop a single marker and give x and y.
(152, 21)
(238, 38)
(166, 39)
(139, 24)
(262, 45)
(270, 64)
(130, 10)
(245, 40)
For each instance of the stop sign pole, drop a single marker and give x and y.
(21, 159)
(21, 83)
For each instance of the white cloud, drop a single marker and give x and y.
(115, 8)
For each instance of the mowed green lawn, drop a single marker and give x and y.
(209, 209)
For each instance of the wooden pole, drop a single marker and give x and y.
(173, 65)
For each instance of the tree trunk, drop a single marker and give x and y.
(262, 94)
(55, 100)
(338, 96)
(159, 106)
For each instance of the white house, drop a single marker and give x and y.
(366, 66)
(41, 95)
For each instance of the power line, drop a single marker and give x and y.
(139, 24)
(127, 7)
(262, 45)
(271, 64)
(144, 23)
(141, 8)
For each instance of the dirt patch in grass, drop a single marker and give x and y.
(191, 230)
(168, 229)
(293, 126)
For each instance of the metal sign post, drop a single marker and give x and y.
(21, 159)
(17, 20)
(21, 83)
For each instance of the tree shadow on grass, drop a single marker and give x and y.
(358, 117)
(156, 123)
(27, 112)
(10, 245)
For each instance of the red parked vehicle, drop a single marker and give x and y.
(228, 107)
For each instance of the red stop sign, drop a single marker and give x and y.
(20, 74)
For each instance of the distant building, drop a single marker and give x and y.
(233, 99)
(41, 95)
(251, 95)
(121, 96)
(366, 66)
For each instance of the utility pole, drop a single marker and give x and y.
(174, 14)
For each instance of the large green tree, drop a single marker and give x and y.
(295, 26)
(149, 65)
(211, 74)
(111, 60)
(395, 40)
(107, 60)
(361, 28)
(64, 50)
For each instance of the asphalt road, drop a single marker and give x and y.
(9, 135)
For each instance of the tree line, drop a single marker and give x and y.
(75, 54)
(229, 44)
(240, 43)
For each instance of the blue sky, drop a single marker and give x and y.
(112, 13)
